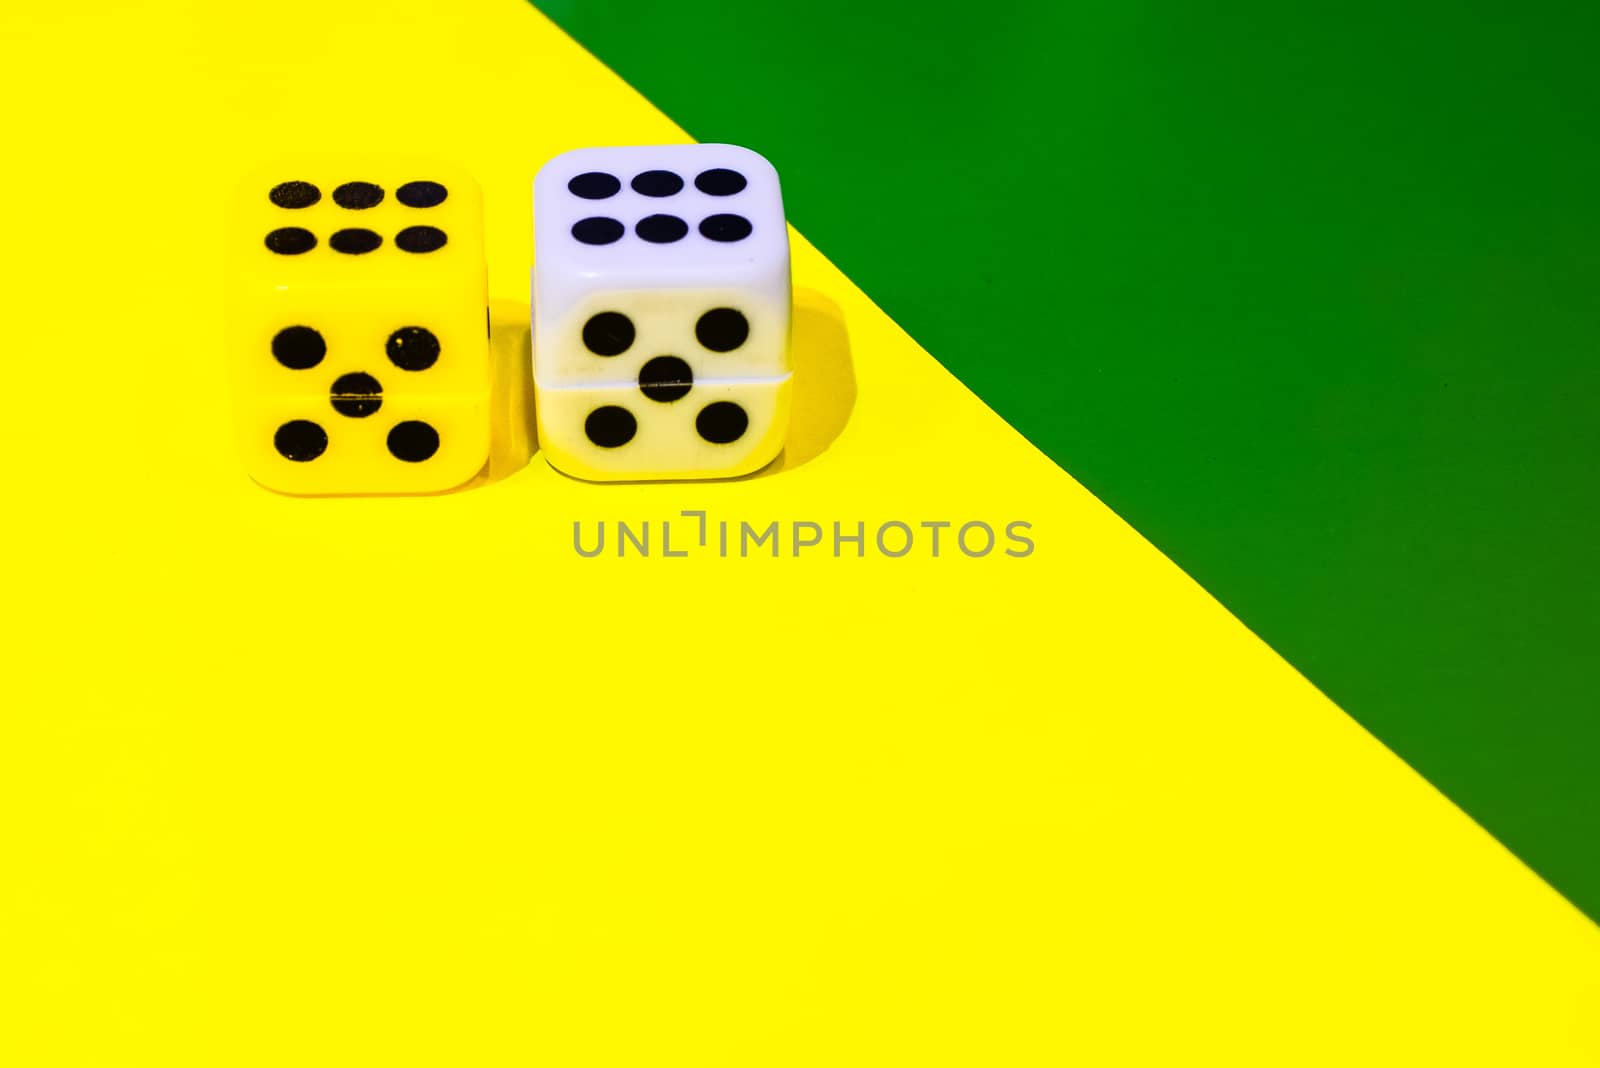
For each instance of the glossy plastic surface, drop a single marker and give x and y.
(359, 333)
(661, 288)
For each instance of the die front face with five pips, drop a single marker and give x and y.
(661, 310)
(359, 329)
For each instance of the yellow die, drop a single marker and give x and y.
(359, 328)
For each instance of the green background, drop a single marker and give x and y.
(1310, 298)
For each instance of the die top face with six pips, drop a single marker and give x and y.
(359, 331)
(661, 310)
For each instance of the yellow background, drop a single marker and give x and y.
(390, 782)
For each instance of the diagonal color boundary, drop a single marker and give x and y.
(1307, 298)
